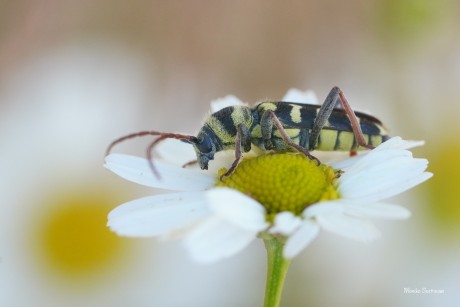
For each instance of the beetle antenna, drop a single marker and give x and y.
(130, 136)
(188, 138)
(162, 136)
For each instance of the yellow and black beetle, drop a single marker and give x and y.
(278, 126)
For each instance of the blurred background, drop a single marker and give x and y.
(74, 75)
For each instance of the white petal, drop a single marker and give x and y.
(237, 208)
(295, 95)
(349, 227)
(376, 157)
(158, 215)
(397, 142)
(224, 102)
(383, 179)
(346, 163)
(369, 210)
(393, 163)
(175, 151)
(376, 210)
(333, 207)
(173, 177)
(379, 192)
(382, 174)
(393, 143)
(285, 223)
(215, 239)
(300, 239)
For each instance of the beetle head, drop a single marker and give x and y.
(204, 149)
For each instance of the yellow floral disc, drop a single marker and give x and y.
(73, 237)
(283, 181)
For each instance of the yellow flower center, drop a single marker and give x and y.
(72, 238)
(283, 181)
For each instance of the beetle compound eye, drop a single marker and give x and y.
(205, 146)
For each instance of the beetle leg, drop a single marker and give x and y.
(336, 99)
(245, 137)
(275, 121)
(266, 126)
(323, 115)
(242, 142)
(354, 122)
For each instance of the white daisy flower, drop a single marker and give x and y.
(279, 195)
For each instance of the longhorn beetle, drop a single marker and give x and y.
(279, 126)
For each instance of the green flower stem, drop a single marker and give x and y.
(276, 273)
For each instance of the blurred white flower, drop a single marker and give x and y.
(56, 110)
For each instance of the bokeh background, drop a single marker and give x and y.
(74, 75)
